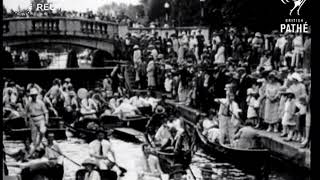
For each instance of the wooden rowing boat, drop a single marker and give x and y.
(17, 129)
(104, 174)
(87, 134)
(168, 160)
(254, 161)
(20, 134)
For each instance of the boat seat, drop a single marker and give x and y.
(11, 178)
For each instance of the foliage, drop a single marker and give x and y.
(122, 9)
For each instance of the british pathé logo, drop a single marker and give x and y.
(294, 26)
(297, 5)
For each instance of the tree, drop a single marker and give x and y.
(4, 10)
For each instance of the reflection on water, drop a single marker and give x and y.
(129, 155)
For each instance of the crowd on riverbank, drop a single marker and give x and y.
(268, 75)
(90, 15)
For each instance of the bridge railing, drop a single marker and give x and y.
(63, 25)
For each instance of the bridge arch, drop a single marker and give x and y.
(59, 30)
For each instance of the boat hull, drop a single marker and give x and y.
(253, 161)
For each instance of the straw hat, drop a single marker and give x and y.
(33, 91)
(289, 91)
(160, 109)
(160, 56)
(241, 69)
(261, 80)
(72, 93)
(228, 86)
(296, 76)
(257, 34)
(67, 80)
(90, 161)
(272, 74)
(82, 93)
(136, 47)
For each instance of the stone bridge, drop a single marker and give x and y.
(59, 30)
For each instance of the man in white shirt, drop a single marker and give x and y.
(138, 101)
(101, 150)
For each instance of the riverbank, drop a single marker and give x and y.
(288, 151)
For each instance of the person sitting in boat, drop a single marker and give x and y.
(90, 164)
(52, 111)
(151, 100)
(54, 154)
(114, 101)
(163, 136)
(36, 167)
(88, 108)
(138, 101)
(210, 128)
(125, 109)
(22, 155)
(10, 106)
(71, 107)
(246, 137)
(99, 100)
(152, 170)
(156, 121)
(180, 143)
(101, 150)
(107, 85)
(55, 93)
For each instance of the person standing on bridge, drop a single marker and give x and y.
(38, 117)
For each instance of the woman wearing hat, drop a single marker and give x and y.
(288, 119)
(297, 87)
(91, 174)
(271, 116)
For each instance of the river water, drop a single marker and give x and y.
(129, 155)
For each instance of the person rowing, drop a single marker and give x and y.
(101, 150)
(92, 174)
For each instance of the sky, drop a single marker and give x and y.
(78, 5)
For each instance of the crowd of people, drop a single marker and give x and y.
(69, 14)
(269, 76)
(36, 105)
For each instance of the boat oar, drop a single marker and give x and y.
(204, 156)
(194, 177)
(63, 155)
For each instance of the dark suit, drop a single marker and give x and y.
(243, 84)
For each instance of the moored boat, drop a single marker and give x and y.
(18, 129)
(254, 161)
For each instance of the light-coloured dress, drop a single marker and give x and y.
(271, 115)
